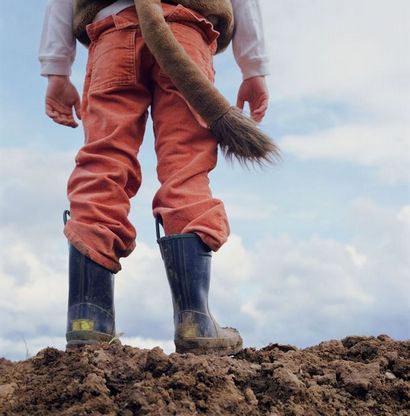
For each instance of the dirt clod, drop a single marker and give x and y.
(355, 376)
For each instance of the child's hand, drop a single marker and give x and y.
(255, 92)
(61, 97)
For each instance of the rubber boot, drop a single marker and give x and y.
(188, 264)
(91, 317)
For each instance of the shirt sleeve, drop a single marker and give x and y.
(248, 43)
(57, 44)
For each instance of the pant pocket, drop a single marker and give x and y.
(113, 62)
(195, 46)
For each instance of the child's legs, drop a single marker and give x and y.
(186, 153)
(107, 173)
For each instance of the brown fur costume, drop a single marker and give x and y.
(218, 12)
(238, 135)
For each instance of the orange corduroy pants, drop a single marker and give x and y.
(122, 81)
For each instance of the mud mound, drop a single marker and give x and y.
(354, 376)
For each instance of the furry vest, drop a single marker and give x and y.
(218, 12)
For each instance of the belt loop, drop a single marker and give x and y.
(95, 29)
(119, 21)
(126, 18)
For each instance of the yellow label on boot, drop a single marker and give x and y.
(190, 331)
(82, 325)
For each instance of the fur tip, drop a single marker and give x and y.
(239, 138)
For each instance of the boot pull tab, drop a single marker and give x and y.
(158, 222)
(66, 214)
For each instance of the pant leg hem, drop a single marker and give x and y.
(213, 243)
(83, 248)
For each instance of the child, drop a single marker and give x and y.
(122, 81)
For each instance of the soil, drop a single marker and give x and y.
(354, 376)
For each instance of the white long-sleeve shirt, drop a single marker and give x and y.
(58, 44)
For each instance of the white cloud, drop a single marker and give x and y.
(349, 55)
(333, 49)
(233, 262)
(166, 344)
(404, 215)
(241, 206)
(386, 148)
(358, 259)
(33, 191)
(20, 348)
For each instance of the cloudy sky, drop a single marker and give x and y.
(320, 244)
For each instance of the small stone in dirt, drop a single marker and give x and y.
(389, 375)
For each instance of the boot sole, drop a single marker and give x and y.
(78, 338)
(208, 346)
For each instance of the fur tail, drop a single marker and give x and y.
(238, 136)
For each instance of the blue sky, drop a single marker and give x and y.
(320, 243)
